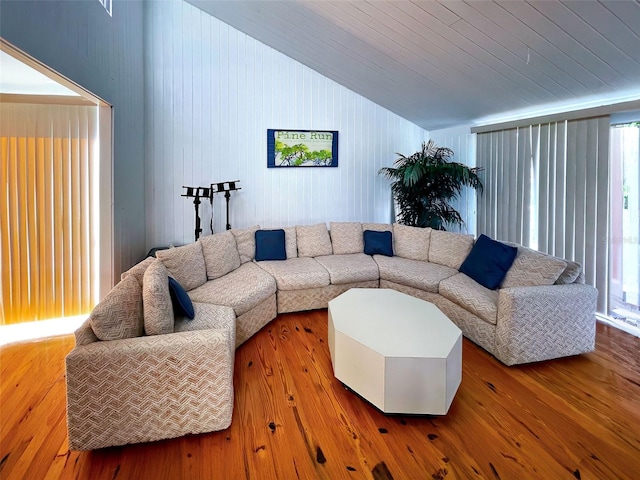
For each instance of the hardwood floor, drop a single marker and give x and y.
(571, 418)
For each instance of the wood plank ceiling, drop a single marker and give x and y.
(440, 64)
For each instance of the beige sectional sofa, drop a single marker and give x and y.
(140, 373)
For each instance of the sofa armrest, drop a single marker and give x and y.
(540, 323)
(149, 388)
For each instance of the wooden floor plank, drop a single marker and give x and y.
(569, 418)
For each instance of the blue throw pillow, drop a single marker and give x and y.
(270, 245)
(380, 243)
(182, 305)
(488, 262)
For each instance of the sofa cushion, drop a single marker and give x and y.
(242, 289)
(411, 242)
(182, 305)
(297, 273)
(346, 237)
(377, 227)
(349, 268)
(185, 264)
(413, 273)
(290, 242)
(570, 273)
(156, 300)
(246, 242)
(84, 334)
(378, 243)
(488, 262)
(270, 245)
(313, 240)
(207, 316)
(119, 314)
(532, 268)
(471, 296)
(138, 269)
(220, 254)
(450, 249)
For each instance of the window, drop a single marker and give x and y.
(49, 228)
(547, 187)
(625, 224)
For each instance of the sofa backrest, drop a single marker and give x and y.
(449, 248)
(346, 237)
(220, 254)
(313, 240)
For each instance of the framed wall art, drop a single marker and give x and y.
(302, 148)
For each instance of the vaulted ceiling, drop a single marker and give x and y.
(446, 63)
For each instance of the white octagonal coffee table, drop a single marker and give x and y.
(400, 353)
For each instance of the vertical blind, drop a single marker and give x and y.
(48, 234)
(547, 187)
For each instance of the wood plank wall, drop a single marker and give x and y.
(463, 144)
(211, 94)
(103, 54)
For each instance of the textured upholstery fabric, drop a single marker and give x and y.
(472, 296)
(346, 237)
(84, 334)
(291, 243)
(349, 268)
(119, 314)
(378, 227)
(478, 331)
(207, 317)
(450, 249)
(314, 298)
(313, 240)
(220, 254)
(250, 322)
(545, 322)
(532, 268)
(149, 388)
(156, 300)
(413, 273)
(297, 273)
(411, 242)
(185, 264)
(570, 273)
(242, 289)
(246, 242)
(138, 269)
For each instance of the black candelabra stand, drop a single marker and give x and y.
(198, 193)
(227, 188)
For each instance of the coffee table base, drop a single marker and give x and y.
(396, 383)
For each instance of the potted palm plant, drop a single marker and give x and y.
(424, 184)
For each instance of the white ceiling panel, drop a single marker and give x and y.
(441, 64)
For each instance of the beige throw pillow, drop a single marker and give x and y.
(158, 309)
(119, 314)
(246, 242)
(185, 264)
(313, 240)
(448, 248)
(411, 242)
(532, 268)
(570, 274)
(346, 237)
(220, 254)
